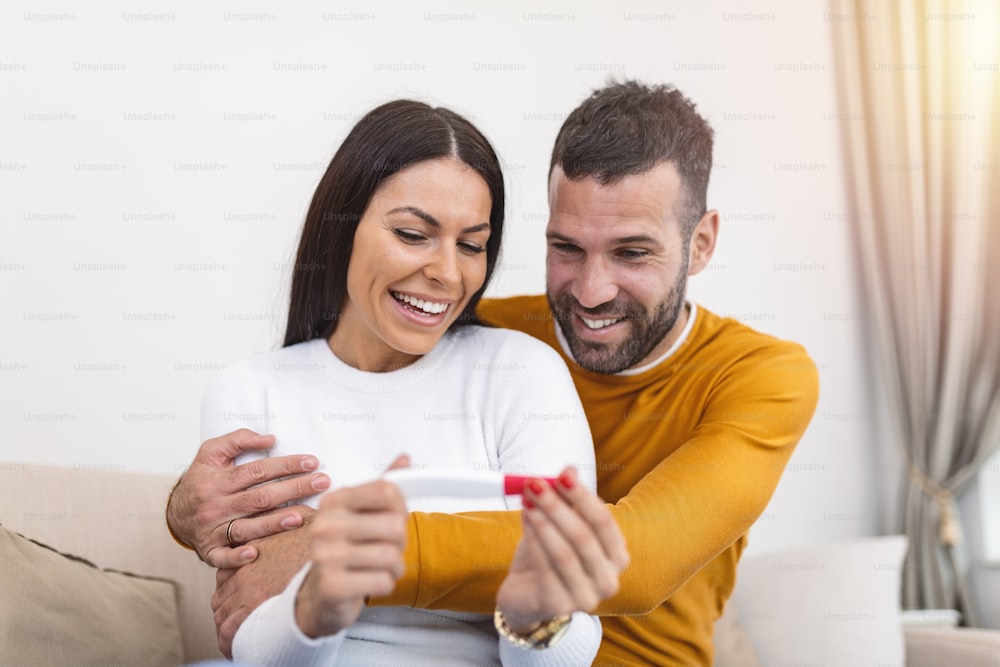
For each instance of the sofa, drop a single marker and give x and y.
(115, 520)
(143, 600)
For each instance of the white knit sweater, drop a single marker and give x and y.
(482, 399)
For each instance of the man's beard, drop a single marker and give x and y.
(647, 328)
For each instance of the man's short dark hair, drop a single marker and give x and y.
(628, 128)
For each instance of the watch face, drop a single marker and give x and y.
(553, 631)
(544, 636)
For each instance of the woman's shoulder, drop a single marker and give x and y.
(272, 361)
(495, 344)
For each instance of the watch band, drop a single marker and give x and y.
(545, 636)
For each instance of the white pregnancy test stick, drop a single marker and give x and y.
(458, 483)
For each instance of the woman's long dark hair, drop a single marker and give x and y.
(387, 140)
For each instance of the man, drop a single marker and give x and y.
(694, 417)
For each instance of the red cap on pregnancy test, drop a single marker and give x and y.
(513, 485)
(458, 483)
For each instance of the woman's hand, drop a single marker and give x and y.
(358, 539)
(569, 558)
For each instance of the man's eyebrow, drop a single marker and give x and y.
(556, 236)
(640, 239)
(433, 222)
(637, 239)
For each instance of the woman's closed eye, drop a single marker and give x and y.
(471, 248)
(409, 236)
(414, 237)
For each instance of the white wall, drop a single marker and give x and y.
(156, 164)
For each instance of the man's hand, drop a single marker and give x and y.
(214, 491)
(239, 591)
(569, 557)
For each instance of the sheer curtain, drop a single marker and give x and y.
(919, 94)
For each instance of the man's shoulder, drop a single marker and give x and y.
(530, 314)
(724, 342)
(729, 335)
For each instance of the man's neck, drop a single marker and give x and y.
(673, 340)
(668, 340)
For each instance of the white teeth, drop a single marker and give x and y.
(428, 307)
(599, 324)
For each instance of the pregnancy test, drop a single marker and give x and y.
(458, 483)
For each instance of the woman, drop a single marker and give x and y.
(383, 355)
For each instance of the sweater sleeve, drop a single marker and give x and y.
(233, 399)
(271, 636)
(709, 492)
(700, 499)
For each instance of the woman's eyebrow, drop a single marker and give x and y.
(432, 221)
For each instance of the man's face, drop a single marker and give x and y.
(617, 266)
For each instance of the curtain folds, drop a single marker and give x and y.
(919, 96)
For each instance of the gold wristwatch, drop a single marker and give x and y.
(546, 635)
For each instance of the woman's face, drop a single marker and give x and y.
(419, 255)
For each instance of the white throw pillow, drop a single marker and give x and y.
(835, 604)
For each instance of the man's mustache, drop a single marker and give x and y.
(611, 308)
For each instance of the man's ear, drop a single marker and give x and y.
(702, 243)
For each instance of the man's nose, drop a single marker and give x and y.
(595, 284)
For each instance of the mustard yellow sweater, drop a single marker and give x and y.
(688, 453)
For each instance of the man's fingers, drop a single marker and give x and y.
(230, 558)
(279, 558)
(270, 496)
(230, 610)
(226, 630)
(241, 531)
(223, 575)
(259, 471)
(247, 529)
(221, 451)
(227, 586)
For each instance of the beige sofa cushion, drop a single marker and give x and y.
(59, 610)
(114, 518)
(953, 647)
